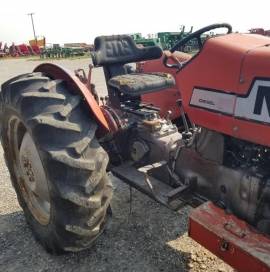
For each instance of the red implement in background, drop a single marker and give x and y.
(229, 238)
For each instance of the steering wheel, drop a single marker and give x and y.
(195, 35)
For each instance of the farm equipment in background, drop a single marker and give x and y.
(4, 50)
(13, 50)
(22, 50)
(83, 46)
(56, 51)
(166, 40)
(40, 42)
(34, 49)
(184, 130)
(151, 40)
(260, 31)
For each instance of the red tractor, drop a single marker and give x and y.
(183, 129)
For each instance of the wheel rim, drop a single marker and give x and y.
(30, 173)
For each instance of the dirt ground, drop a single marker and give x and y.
(150, 238)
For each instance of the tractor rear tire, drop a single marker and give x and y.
(57, 167)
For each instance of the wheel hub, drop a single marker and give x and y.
(34, 180)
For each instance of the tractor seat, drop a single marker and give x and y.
(114, 52)
(137, 84)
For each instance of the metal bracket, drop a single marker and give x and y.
(161, 192)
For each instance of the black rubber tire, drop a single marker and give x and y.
(75, 164)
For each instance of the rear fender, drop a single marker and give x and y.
(57, 72)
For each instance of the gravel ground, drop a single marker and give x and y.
(150, 238)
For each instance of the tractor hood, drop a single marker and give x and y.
(226, 87)
(222, 60)
(255, 65)
(250, 53)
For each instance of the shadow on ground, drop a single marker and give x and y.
(133, 242)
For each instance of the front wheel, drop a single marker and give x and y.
(56, 164)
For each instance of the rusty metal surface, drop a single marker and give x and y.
(57, 72)
(231, 239)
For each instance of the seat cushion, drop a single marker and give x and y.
(136, 84)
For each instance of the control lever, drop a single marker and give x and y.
(187, 134)
(86, 80)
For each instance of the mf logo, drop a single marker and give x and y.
(257, 105)
(263, 95)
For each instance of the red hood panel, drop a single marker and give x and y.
(219, 63)
(218, 66)
(255, 65)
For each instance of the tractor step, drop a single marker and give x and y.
(230, 238)
(154, 188)
(177, 192)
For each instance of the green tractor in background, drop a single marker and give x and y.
(166, 40)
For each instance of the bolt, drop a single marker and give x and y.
(224, 245)
(235, 128)
(223, 189)
(31, 179)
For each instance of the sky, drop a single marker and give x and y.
(62, 21)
